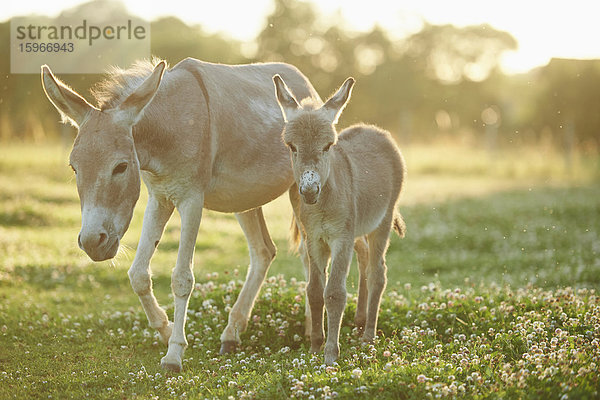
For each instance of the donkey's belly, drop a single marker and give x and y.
(238, 196)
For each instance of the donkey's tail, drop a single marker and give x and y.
(399, 225)
(294, 235)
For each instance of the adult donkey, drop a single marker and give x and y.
(200, 135)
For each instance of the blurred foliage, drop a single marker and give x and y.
(443, 81)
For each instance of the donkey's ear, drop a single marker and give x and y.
(338, 101)
(133, 106)
(285, 98)
(71, 106)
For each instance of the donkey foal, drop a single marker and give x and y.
(349, 185)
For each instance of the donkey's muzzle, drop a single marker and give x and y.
(99, 246)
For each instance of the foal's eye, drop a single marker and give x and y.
(292, 147)
(119, 169)
(327, 147)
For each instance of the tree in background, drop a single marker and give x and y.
(443, 80)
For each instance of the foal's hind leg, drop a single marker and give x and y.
(158, 212)
(262, 251)
(361, 247)
(376, 276)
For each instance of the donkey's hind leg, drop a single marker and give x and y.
(298, 236)
(158, 212)
(262, 251)
(302, 249)
(376, 276)
(361, 247)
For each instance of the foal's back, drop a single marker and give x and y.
(377, 170)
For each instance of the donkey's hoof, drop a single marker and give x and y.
(228, 346)
(171, 365)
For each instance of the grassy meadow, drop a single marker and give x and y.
(492, 294)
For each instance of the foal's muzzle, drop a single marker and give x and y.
(310, 186)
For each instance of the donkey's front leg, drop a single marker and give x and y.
(182, 280)
(335, 295)
(302, 250)
(262, 251)
(158, 211)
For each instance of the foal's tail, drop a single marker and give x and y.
(399, 225)
(294, 235)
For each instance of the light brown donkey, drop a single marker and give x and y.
(200, 135)
(349, 184)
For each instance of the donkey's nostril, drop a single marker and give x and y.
(102, 239)
(79, 241)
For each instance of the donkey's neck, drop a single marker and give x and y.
(175, 127)
(146, 139)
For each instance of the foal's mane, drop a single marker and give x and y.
(120, 83)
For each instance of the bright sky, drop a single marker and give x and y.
(544, 29)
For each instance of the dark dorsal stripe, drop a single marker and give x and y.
(200, 81)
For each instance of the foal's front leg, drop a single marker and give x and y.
(318, 253)
(182, 280)
(335, 295)
(158, 211)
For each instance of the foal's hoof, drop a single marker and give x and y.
(228, 346)
(330, 359)
(367, 340)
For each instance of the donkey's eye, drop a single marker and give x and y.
(73, 168)
(119, 169)
(327, 147)
(292, 147)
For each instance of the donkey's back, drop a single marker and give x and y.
(248, 165)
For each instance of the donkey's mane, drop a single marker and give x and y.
(120, 83)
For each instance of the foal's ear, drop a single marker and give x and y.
(133, 106)
(71, 106)
(338, 101)
(286, 100)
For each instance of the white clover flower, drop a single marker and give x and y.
(357, 373)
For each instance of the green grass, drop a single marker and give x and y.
(492, 294)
